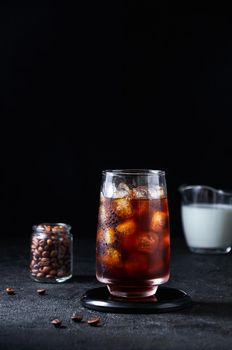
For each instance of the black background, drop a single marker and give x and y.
(154, 78)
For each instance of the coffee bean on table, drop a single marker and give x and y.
(77, 317)
(41, 291)
(94, 321)
(10, 291)
(56, 322)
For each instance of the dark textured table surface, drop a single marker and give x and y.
(25, 317)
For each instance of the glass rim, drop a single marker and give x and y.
(144, 172)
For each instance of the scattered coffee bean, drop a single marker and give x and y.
(41, 291)
(57, 323)
(77, 317)
(94, 321)
(10, 291)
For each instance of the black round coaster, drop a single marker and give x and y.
(165, 300)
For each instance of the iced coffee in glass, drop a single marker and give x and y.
(133, 239)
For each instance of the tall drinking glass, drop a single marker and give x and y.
(133, 240)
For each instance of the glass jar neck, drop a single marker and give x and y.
(51, 228)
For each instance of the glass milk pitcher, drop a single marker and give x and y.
(206, 215)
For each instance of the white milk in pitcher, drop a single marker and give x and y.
(207, 225)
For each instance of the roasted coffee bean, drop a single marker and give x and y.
(62, 249)
(53, 253)
(36, 254)
(57, 323)
(40, 274)
(55, 265)
(49, 276)
(44, 263)
(45, 260)
(53, 272)
(49, 242)
(46, 269)
(41, 291)
(77, 317)
(47, 228)
(45, 254)
(94, 321)
(40, 249)
(10, 291)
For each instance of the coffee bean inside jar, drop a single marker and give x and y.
(51, 252)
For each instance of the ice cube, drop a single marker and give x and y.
(109, 235)
(156, 192)
(140, 192)
(106, 236)
(112, 258)
(147, 242)
(127, 227)
(121, 191)
(159, 221)
(123, 207)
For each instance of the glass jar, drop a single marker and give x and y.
(51, 252)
